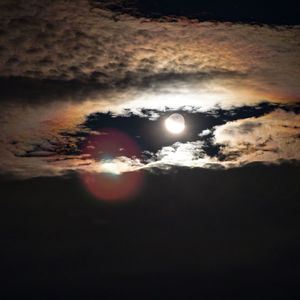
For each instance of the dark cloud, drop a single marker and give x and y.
(35, 90)
(166, 79)
(255, 11)
(188, 232)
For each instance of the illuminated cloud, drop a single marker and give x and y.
(95, 57)
(205, 132)
(270, 138)
(67, 61)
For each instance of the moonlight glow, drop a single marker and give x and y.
(109, 167)
(175, 123)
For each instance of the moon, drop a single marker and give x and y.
(175, 123)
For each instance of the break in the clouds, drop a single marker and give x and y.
(269, 138)
(62, 61)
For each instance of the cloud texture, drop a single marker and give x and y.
(63, 60)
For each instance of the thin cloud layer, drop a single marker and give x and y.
(65, 46)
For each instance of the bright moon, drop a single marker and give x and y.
(175, 123)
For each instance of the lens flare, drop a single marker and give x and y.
(109, 182)
(110, 168)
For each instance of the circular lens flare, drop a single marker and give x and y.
(109, 182)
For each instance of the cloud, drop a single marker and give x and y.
(62, 61)
(269, 138)
(52, 149)
(204, 132)
(168, 10)
(74, 53)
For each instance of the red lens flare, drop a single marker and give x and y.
(112, 185)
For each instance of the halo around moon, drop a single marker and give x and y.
(175, 123)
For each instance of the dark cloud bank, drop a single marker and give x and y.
(268, 12)
(222, 233)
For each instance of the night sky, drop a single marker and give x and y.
(149, 149)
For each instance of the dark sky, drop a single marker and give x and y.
(255, 11)
(99, 199)
(188, 233)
